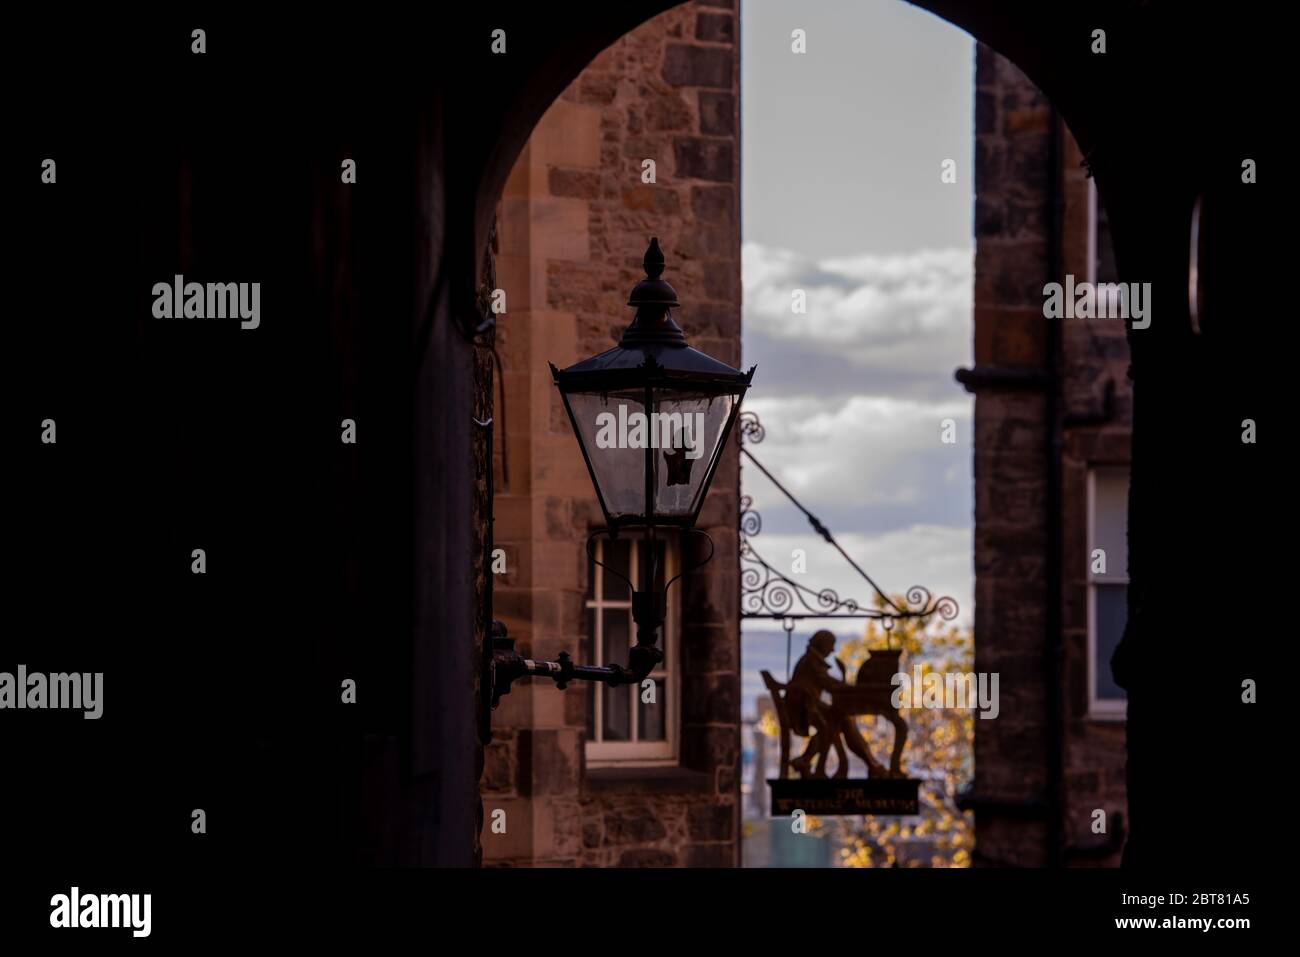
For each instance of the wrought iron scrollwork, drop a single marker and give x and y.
(751, 523)
(765, 592)
(749, 428)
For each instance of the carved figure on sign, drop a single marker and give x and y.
(802, 710)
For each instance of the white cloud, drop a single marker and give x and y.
(863, 450)
(905, 315)
(853, 396)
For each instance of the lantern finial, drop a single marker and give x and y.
(653, 298)
(654, 259)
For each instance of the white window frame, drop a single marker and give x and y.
(1101, 709)
(636, 753)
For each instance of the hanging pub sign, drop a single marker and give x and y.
(814, 705)
(802, 711)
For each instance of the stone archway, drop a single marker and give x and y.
(391, 269)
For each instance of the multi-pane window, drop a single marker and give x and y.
(630, 724)
(1107, 586)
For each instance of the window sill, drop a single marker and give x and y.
(661, 780)
(1107, 716)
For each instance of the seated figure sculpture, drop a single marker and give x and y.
(808, 714)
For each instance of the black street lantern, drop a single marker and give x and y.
(652, 416)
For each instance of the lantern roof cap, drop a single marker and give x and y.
(657, 361)
(654, 299)
(652, 290)
(653, 347)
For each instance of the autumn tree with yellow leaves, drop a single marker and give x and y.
(939, 751)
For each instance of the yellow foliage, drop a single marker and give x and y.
(940, 751)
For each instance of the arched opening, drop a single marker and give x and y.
(574, 211)
(1118, 107)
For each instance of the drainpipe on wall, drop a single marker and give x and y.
(1052, 646)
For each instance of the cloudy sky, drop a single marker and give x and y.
(842, 152)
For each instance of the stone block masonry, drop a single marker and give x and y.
(1016, 177)
(573, 225)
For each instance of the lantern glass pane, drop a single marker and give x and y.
(606, 426)
(689, 428)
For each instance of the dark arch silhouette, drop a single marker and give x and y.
(327, 562)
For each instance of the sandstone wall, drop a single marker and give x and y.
(574, 223)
